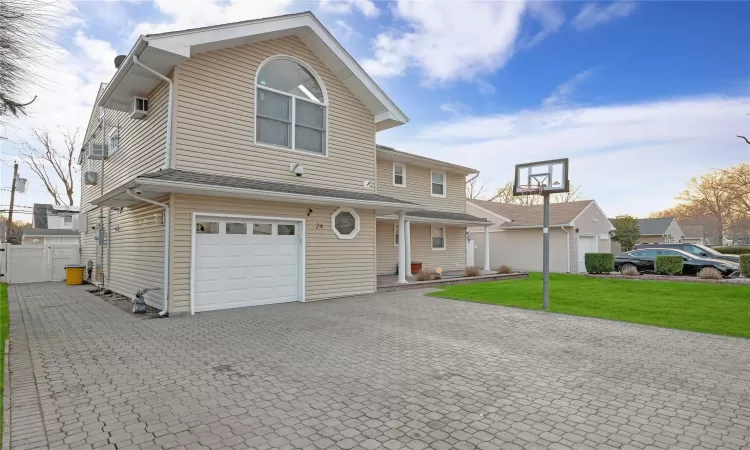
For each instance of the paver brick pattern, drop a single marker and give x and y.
(386, 371)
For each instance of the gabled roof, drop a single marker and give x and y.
(655, 226)
(392, 154)
(693, 231)
(163, 51)
(560, 214)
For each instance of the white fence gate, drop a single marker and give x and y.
(31, 263)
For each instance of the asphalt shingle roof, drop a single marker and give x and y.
(692, 231)
(559, 213)
(185, 176)
(446, 216)
(656, 226)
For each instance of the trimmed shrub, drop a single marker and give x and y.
(709, 273)
(733, 250)
(745, 265)
(630, 271)
(504, 269)
(599, 262)
(472, 271)
(424, 275)
(668, 265)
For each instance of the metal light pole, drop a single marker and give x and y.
(545, 251)
(9, 225)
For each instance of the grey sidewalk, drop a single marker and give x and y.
(393, 370)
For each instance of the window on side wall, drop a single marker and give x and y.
(438, 238)
(113, 142)
(399, 174)
(291, 109)
(395, 234)
(437, 188)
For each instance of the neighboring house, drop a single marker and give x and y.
(53, 224)
(693, 234)
(660, 230)
(244, 157)
(576, 228)
(47, 236)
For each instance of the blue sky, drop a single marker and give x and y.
(641, 96)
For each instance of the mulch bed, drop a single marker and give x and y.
(679, 279)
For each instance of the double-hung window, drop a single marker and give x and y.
(438, 238)
(399, 174)
(291, 109)
(437, 184)
(112, 142)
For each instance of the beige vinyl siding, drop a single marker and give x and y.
(452, 258)
(137, 249)
(333, 267)
(419, 187)
(592, 222)
(215, 121)
(140, 150)
(522, 249)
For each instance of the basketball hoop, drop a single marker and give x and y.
(530, 189)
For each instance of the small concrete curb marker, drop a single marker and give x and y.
(6, 397)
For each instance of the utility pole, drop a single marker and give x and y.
(9, 225)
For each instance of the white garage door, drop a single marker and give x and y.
(586, 244)
(245, 262)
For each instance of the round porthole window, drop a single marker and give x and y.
(345, 223)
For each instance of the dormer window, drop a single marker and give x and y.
(291, 107)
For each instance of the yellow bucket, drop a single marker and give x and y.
(74, 274)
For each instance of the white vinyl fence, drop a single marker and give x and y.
(31, 263)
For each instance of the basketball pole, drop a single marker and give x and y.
(545, 251)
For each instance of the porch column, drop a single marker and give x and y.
(401, 248)
(486, 248)
(407, 242)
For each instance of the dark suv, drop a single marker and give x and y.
(693, 249)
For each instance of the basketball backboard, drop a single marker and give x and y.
(541, 177)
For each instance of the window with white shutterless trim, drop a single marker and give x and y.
(399, 174)
(113, 141)
(395, 234)
(437, 184)
(438, 237)
(291, 108)
(345, 223)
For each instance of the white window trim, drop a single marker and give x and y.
(445, 237)
(445, 184)
(356, 223)
(293, 103)
(115, 132)
(395, 234)
(403, 175)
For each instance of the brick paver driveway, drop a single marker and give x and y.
(392, 371)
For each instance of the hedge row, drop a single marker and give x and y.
(733, 250)
(599, 262)
(745, 265)
(668, 265)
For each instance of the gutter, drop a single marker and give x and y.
(165, 310)
(170, 111)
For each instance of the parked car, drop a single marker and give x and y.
(643, 260)
(698, 250)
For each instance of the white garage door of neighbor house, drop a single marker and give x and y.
(246, 262)
(586, 244)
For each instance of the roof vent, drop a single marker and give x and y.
(118, 60)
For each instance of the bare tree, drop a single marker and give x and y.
(52, 166)
(572, 195)
(711, 193)
(24, 40)
(476, 189)
(504, 194)
(738, 182)
(16, 231)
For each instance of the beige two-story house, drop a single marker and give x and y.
(237, 165)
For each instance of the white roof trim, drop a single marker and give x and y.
(489, 212)
(186, 43)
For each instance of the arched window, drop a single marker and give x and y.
(290, 107)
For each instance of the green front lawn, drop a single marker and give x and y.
(4, 321)
(708, 308)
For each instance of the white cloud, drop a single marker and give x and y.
(366, 7)
(343, 31)
(456, 40)
(593, 14)
(182, 14)
(455, 108)
(631, 158)
(561, 96)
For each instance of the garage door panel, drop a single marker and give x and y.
(237, 270)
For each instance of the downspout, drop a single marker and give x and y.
(170, 110)
(567, 246)
(165, 310)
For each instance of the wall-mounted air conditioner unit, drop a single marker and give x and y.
(90, 178)
(138, 108)
(96, 151)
